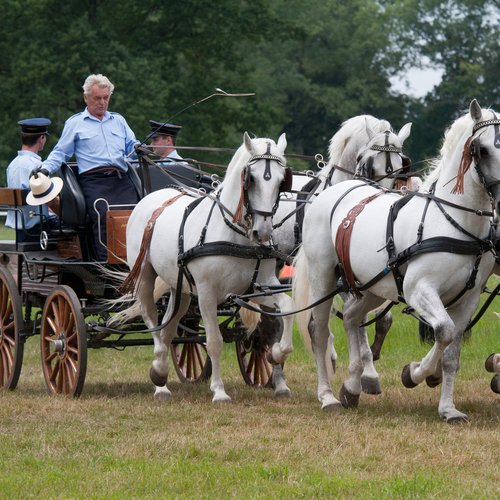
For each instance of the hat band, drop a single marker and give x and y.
(45, 193)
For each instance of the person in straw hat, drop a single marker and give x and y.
(34, 133)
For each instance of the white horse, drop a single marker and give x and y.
(363, 146)
(433, 251)
(221, 240)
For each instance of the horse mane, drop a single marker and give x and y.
(342, 149)
(454, 138)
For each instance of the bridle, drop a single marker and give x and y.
(366, 169)
(475, 151)
(246, 179)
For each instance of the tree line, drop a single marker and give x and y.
(311, 64)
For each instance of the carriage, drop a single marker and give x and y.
(54, 290)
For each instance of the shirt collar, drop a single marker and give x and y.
(86, 114)
(28, 153)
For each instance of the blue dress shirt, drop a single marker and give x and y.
(18, 173)
(94, 142)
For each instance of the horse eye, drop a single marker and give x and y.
(483, 151)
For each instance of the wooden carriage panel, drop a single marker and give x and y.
(116, 227)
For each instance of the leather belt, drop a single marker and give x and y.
(104, 171)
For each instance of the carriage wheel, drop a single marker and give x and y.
(252, 352)
(254, 367)
(191, 361)
(11, 343)
(63, 343)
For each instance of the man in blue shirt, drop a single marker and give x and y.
(100, 140)
(163, 139)
(34, 133)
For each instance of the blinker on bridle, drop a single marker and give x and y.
(472, 144)
(284, 186)
(387, 149)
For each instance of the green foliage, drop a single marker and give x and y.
(311, 64)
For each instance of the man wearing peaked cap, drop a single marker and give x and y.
(163, 140)
(34, 133)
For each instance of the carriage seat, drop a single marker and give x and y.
(174, 174)
(73, 207)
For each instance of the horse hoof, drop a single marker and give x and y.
(489, 364)
(331, 407)
(433, 380)
(371, 385)
(348, 399)
(162, 395)
(156, 378)
(406, 378)
(283, 393)
(495, 384)
(221, 399)
(458, 419)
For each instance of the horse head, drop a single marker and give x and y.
(482, 148)
(263, 175)
(382, 158)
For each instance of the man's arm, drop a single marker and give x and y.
(63, 150)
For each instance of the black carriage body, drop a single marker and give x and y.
(60, 287)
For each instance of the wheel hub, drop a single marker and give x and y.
(59, 345)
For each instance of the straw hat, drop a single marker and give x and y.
(43, 189)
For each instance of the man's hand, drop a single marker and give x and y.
(141, 150)
(39, 170)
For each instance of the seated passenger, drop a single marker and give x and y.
(34, 133)
(163, 140)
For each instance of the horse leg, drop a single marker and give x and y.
(159, 369)
(362, 373)
(281, 346)
(208, 310)
(322, 343)
(162, 341)
(436, 378)
(450, 364)
(382, 326)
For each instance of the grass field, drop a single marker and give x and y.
(117, 442)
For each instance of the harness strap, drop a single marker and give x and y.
(438, 244)
(240, 301)
(343, 242)
(129, 284)
(227, 249)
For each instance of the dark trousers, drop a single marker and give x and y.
(117, 189)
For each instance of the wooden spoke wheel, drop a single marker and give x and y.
(63, 342)
(11, 343)
(191, 361)
(254, 367)
(252, 352)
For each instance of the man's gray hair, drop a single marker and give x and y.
(100, 80)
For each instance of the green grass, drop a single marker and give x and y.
(117, 442)
(6, 233)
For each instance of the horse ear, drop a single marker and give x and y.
(369, 131)
(404, 132)
(282, 143)
(248, 143)
(475, 111)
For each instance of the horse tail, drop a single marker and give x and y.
(302, 299)
(249, 318)
(301, 296)
(426, 333)
(132, 312)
